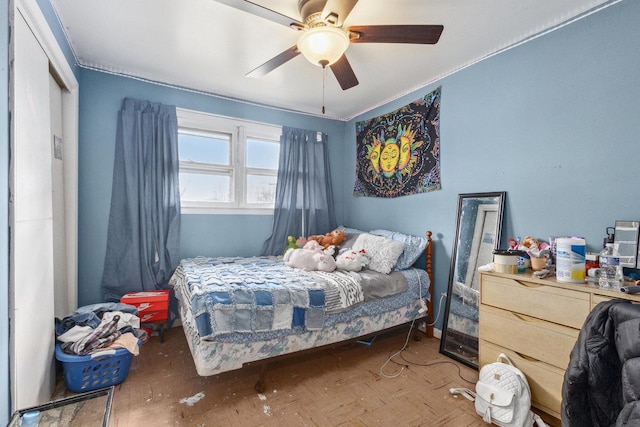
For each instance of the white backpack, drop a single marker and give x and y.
(502, 395)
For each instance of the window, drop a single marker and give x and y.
(227, 165)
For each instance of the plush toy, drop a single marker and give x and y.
(309, 260)
(530, 242)
(313, 245)
(352, 260)
(335, 237)
(291, 244)
(331, 250)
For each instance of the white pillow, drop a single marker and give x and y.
(414, 246)
(383, 253)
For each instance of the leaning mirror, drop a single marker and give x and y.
(478, 228)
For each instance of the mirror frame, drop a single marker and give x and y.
(499, 197)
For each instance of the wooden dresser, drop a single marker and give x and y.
(536, 323)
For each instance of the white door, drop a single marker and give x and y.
(31, 219)
(61, 290)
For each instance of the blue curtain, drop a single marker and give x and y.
(144, 222)
(304, 198)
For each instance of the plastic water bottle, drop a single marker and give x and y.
(30, 419)
(610, 268)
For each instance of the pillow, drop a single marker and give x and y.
(381, 251)
(348, 230)
(351, 234)
(414, 246)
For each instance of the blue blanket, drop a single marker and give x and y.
(256, 294)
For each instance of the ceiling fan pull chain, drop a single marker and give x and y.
(324, 75)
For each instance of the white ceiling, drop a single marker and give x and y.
(206, 46)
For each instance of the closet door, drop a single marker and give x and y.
(63, 294)
(31, 220)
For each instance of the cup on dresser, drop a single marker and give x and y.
(538, 263)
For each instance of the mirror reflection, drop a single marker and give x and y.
(478, 229)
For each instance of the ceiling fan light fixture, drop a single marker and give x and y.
(323, 45)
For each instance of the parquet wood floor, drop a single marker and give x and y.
(341, 386)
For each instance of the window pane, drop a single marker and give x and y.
(261, 189)
(205, 188)
(204, 147)
(262, 154)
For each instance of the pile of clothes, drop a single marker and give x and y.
(99, 327)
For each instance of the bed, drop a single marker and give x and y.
(239, 311)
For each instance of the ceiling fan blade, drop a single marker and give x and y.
(344, 73)
(263, 12)
(415, 34)
(274, 62)
(336, 11)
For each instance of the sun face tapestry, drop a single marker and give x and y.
(399, 153)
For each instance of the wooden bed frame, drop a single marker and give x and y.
(429, 267)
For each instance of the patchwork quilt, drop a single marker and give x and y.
(260, 294)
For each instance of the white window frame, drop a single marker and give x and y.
(240, 131)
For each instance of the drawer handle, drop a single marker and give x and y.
(523, 317)
(528, 284)
(529, 358)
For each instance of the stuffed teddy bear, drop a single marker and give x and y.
(309, 260)
(352, 260)
(335, 237)
(530, 242)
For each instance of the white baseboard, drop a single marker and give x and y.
(437, 333)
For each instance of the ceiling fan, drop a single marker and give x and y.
(323, 40)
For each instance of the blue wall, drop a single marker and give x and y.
(552, 122)
(49, 14)
(101, 96)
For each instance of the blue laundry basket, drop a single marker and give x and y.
(94, 371)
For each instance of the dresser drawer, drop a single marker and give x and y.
(554, 304)
(537, 339)
(545, 381)
(597, 299)
(602, 295)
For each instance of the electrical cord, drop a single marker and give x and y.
(399, 352)
(438, 313)
(438, 362)
(406, 344)
(407, 363)
(421, 301)
(389, 359)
